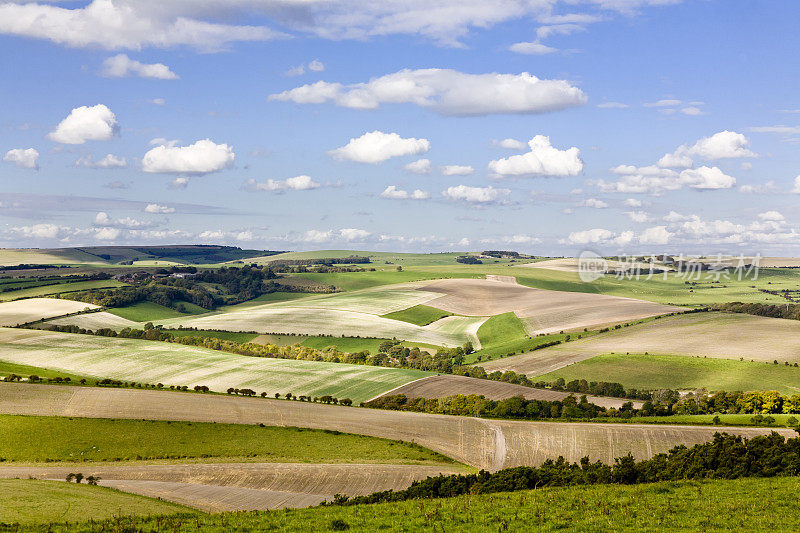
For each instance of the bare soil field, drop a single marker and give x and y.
(543, 311)
(94, 321)
(217, 487)
(720, 335)
(489, 444)
(33, 309)
(449, 385)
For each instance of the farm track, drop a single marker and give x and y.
(219, 487)
(718, 335)
(449, 385)
(469, 440)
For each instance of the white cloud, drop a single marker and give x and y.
(157, 101)
(591, 236)
(512, 239)
(723, 145)
(747, 165)
(674, 216)
(121, 66)
(202, 157)
(677, 159)
(245, 236)
(542, 160)
(512, 144)
(96, 123)
(107, 234)
(376, 147)
(594, 203)
(23, 158)
(782, 130)
(638, 216)
(297, 183)
(655, 235)
(353, 234)
(393, 193)
(633, 202)
(707, 178)
(612, 105)
(180, 182)
(446, 91)
(159, 209)
(532, 48)
(692, 111)
(456, 170)
(102, 219)
(344, 234)
(654, 180)
(420, 166)
(765, 188)
(109, 161)
(477, 195)
(314, 66)
(667, 102)
(773, 216)
(796, 189)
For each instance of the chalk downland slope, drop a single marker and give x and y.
(719, 335)
(33, 309)
(175, 364)
(449, 385)
(95, 321)
(543, 311)
(482, 443)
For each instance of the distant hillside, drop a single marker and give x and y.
(182, 254)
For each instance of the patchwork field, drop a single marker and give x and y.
(60, 288)
(714, 335)
(95, 321)
(668, 371)
(33, 309)
(175, 364)
(449, 385)
(482, 443)
(543, 311)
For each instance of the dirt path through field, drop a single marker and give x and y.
(468, 440)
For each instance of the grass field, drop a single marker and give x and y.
(61, 288)
(222, 335)
(30, 501)
(175, 364)
(780, 420)
(421, 315)
(26, 371)
(736, 505)
(350, 281)
(675, 372)
(503, 334)
(379, 259)
(32, 439)
(34, 309)
(57, 256)
(148, 311)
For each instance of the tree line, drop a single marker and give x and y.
(724, 457)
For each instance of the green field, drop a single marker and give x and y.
(26, 370)
(148, 311)
(32, 439)
(31, 501)
(380, 259)
(503, 334)
(175, 364)
(351, 281)
(724, 420)
(421, 315)
(682, 372)
(268, 298)
(221, 335)
(738, 505)
(61, 288)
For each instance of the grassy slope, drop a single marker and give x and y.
(350, 281)
(421, 315)
(222, 335)
(503, 334)
(37, 439)
(667, 371)
(72, 286)
(724, 420)
(147, 311)
(738, 505)
(26, 370)
(30, 501)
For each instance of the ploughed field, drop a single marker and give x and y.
(33, 309)
(175, 364)
(482, 443)
(713, 335)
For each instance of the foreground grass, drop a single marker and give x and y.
(421, 315)
(31, 501)
(738, 505)
(27, 370)
(58, 439)
(681, 372)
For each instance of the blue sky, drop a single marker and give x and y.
(290, 125)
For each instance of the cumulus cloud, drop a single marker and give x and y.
(638, 216)
(314, 66)
(542, 160)
(297, 183)
(512, 144)
(519, 238)
(420, 166)
(344, 234)
(655, 180)
(723, 145)
(655, 235)
(456, 170)
(706, 178)
(393, 193)
(446, 91)
(121, 66)
(633, 202)
(773, 216)
(475, 195)
(26, 158)
(95, 123)
(104, 220)
(600, 236)
(377, 146)
(202, 157)
(158, 209)
(109, 161)
(594, 203)
(762, 188)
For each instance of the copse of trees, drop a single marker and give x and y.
(724, 457)
(788, 311)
